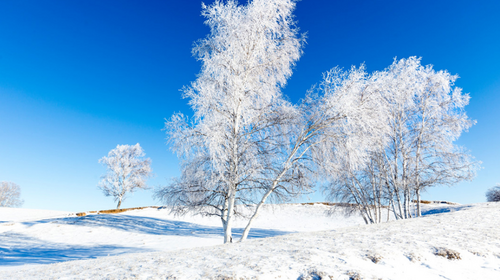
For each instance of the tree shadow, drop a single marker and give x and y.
(19, 249)
(155, 226)
(444, 209)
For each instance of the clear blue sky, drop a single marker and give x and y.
(79, 77)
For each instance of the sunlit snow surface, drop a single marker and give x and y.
(287, 242)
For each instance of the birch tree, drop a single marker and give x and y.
(237, 102)
(349, 169)
(339, 119)
(246, 144)
(127, 171)
(425, 116)
(10, 195)
(426, 122)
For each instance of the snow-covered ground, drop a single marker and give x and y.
(287, 242)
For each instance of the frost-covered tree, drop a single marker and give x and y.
(246, 144)
(238, 107)
(10, 195)
(493, 194)
(348, 167)
(425, 115)
(338, 121)
(127, 170)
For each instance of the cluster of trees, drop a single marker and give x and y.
(376, 139)
(424, 115)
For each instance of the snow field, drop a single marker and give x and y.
(394, 250)
(52, 236)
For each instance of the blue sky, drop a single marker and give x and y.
(79, 77)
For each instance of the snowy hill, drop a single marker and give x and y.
(288, 242)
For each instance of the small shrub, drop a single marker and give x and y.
(228, 277)
(479, 254)
(493, 194)
(315, 275)
(354, 275)
(375, 258)
(413, 257)
(448, 253)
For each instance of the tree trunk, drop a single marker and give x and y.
(398, 200)
(223, 217)
(224, 227)
(119, 203)
(375, 200)
(409, 206)
(276, 180)
(255, 214)
(228, 238)
(234, 174)
(417, 191)
(391, 202)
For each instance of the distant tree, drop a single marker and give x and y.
(10, 195)
(126, 171)
(493, 194)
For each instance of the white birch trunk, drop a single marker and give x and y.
(228, 238)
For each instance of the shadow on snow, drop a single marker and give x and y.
(19, 249)
(446, 209)
(155, 226)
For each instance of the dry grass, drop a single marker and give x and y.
(319, 203)
(354, 275)
(328, 203)
(434, 202)
(374, 257)
(113, 211)
(448, 253)
(315, 275)
(413, 257)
